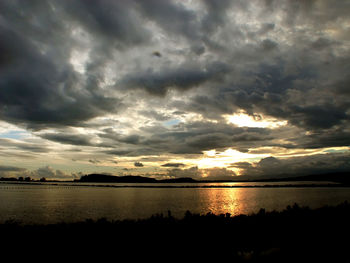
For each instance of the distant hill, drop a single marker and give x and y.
(332, 177)
(179, 180)
(104, 178)
(343, 178)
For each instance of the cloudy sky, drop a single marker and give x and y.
(174, 88)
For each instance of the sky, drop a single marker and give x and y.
(166, 89)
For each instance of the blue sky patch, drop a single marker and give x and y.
(13, 134)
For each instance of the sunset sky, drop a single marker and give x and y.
(203, 89)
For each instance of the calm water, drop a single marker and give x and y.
(35, 203)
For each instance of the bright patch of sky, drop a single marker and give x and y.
(244, 120)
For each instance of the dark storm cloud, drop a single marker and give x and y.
(283, 59)
(297, 166)
(66, 138)
(110, 134)
(39, 87)
(268, 86)
(173, 18)
(216, 11)
(187, 138)
(114, 20)
(182, 78)
(329, 138)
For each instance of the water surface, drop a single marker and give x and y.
(69, 202)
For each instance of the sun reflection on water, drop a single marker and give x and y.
(223, 201)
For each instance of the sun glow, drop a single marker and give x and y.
(225, 158)
(242, 119)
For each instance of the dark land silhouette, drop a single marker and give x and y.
(343, 179)
(296, 234)
(131, 179)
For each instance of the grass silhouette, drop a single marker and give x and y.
(294, 234)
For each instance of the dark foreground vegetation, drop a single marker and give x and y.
(297, 234)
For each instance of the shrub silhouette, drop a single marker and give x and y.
(294, 234)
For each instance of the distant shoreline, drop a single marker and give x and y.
(334, 180)
(190, 185)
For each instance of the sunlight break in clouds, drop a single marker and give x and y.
(244, 120)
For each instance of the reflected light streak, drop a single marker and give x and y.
(224, 201)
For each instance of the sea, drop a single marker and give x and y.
(57, 202)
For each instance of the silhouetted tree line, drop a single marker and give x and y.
(296, 234)
(19, 179)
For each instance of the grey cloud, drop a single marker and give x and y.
(298, 166)
(119, 152)
(157, 54)
(115, 137)
(273, 93)
(94, 161)
(241, 165)
(317, 116)
(11, 169)
(188, 138)
(66, 138)
(182, 78)
(39, 85)
(192, 172)
(47, 171)
(329, 138)
(36, 147)
(138, 164)
(216, 11)
(112, 20)
(288, 64)
(50, 173)
(173, 18)
(265, 28)
(155, 115)
(173, 165)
